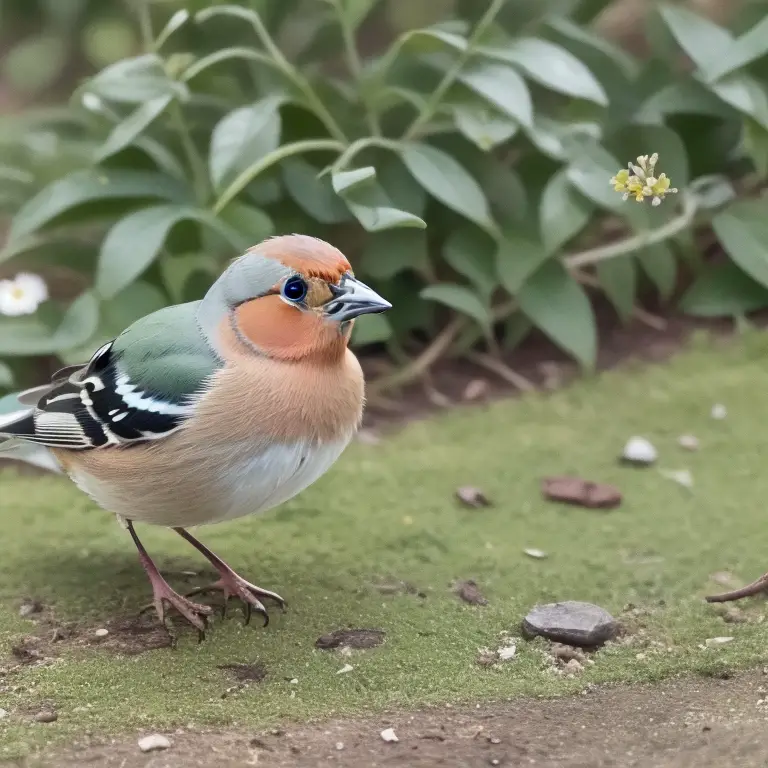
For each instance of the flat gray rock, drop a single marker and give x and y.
(571, 622)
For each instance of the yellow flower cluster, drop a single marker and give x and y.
(638, 181)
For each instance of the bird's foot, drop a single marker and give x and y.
(755, 588)
(231, 585)
(163, 595)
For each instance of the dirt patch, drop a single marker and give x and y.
(681, 724)
(350, 638)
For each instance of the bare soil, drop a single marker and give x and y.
(702, 723)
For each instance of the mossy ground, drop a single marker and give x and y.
(388, 510)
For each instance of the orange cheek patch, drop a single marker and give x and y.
(277, 328)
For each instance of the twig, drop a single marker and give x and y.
(755, 588)
(502, 370)
(450, 76)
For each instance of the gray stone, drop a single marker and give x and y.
(571, 622)
(154, 743)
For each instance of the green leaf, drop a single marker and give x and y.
(658, 262)
(472, 253)
(563, 212)
(723, 291)
(703, 40)
(502, 87)
(227, 54)
(743, 232)
(136, 240)
(243, 137)
(485, 128)
(448, 182)
(591, 173)
(404, 191)
(252, 223)
(517, 258)
(745, 50)
(561, 141)
(551, 65)
(369, 203)
(745, 94)
(371, 329)
(315, 196)
(345, 181)
(460, 298)
(618, 278)
(388, 253)
(6, 377)
(92, 186)
(125, 132)
(688, 97)
(712, 191)
(355, 11)
(135, 81)
(556, 304)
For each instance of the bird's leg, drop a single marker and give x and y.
(162, 592)
(232, 585)
(755, 588)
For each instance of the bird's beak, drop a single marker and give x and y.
(352, 298)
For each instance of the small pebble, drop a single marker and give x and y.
(388, 734)
(571, 622)
(710, 641)
(46, 717)
(101, 632)
(476, 389)
(507, 653)
(573, 666)
(719, 411)
(689, 442)
(154, 743)
(537, 554)
(3, 713)
(294, 681)
(30, 607)
(639, 451)
(346, 668)
(470, 496)
(339, 746)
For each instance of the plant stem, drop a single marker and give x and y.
(450, 76)
(145, 26)
(356, 69)
(636, 242)
(197, 165)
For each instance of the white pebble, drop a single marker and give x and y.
(339, 746)
(154, 742)
(710, 641)
(689, 442)
(538, 554)
(294, 681)
(346, 668)
(3, 713)
(507, 653)
(640, 451)
(388, 734)
(101, 632)
(680, 476)
(719, 411)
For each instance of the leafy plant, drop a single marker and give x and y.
(500, 128)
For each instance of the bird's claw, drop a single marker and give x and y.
(232, 585)
(195, 614)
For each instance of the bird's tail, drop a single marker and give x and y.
(14, 423)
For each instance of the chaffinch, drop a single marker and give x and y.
(214, 409)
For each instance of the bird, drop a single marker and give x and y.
(211, 410)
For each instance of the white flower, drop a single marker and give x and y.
(92, 102)
(22, 295)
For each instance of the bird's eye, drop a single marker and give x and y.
(294, 289)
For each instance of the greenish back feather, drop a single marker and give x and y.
(165, 353)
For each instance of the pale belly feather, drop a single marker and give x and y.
(222, 486)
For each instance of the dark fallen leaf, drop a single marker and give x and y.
(246, 673)
(470, 593)
(352, 638)
(584, 493)
(473, 497)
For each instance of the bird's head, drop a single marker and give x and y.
(291, 298)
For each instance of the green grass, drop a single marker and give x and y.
(389, 510)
